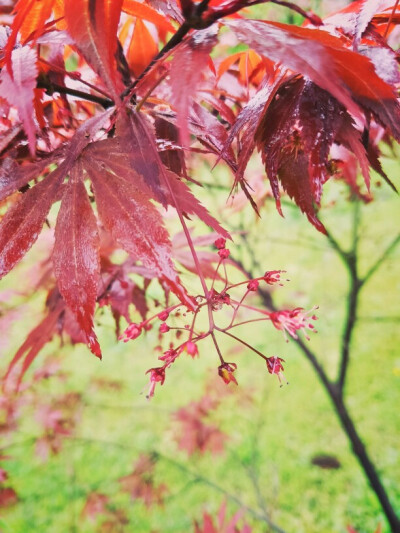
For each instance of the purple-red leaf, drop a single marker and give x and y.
(23, 222)
(348, 76)
(293, 175)
(76, 256)
(148, 173)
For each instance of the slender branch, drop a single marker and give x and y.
(44, 83)
(390, 19)
(349, 325)
(351, 261)
(220, 489)
(314, 19)
(381, 259)
(243, 342)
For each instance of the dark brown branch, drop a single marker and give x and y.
(45, 83)
(351, 261)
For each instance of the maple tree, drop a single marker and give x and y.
(104, 107)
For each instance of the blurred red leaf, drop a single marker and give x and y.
(8, 497)
(140, 483)
(18, 88)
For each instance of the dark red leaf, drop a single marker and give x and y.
(23, 222)
(293, 174)
(135, 139)
(76, 256)
(127, 212)
(148, 173)
(348, 76)
(168, 139)
(211, 133)
(13, 177)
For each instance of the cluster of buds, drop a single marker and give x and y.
(213, 300)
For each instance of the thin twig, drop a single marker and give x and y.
(220, 489)
(55, 88)
(382, 258)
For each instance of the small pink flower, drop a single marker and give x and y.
(224, 253)
(132, 332)
(191, 349)
(274, 366)
(220, 243)
(273, 276)
(253, 285)
(169, 356)
(163, 316)
(164, 328)
(292, 321)
(157, 375)
(226, 370)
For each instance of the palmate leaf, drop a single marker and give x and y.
(301, 124)
(293, 117)
(23, 222)
(133, 156)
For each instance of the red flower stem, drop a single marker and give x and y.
(237, 307)
(247, 322)
(215, 274)
(169, 309)
(251, 308)
(217, 347)
(226, 275)
(243, 342)
(194, 320)
(242, 283)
